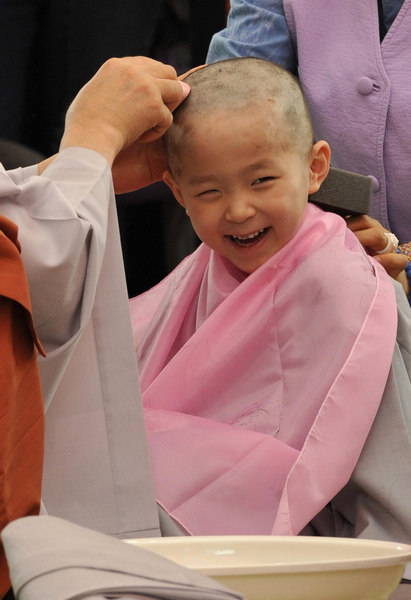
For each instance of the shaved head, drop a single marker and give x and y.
(240, 84)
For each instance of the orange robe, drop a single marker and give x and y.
(21, 402)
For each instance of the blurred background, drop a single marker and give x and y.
(50, 48)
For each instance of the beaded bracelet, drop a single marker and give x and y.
(405, 249)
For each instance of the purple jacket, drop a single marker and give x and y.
(359, 93)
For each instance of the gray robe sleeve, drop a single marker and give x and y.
(375, 504)
(96, 468)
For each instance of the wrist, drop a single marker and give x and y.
(106, 141)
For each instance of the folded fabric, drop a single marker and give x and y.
(53, 559)
(262, 390)
(21, 400)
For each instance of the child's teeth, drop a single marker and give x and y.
(248, 237)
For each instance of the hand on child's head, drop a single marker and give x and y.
(157, 131)
(144, 161)
(122, 112)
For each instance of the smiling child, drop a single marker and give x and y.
(243, 168)
(264, 356)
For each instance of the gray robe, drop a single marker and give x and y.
(96, 468)
(376, 502)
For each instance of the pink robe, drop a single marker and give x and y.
(259, 391)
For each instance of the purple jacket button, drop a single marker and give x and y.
(365, 86)
(375, 183)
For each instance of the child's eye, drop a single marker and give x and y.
(207, 193)
(262, 180)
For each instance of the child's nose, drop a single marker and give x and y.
(239, 209)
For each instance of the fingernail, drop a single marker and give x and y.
(186, 89)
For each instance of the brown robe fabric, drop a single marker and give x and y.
(21, 402)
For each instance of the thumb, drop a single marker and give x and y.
(393, 263)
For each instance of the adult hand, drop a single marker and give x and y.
(142, 163)
(127, 104)
(372, 236)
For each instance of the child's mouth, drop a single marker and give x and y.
(248, 240)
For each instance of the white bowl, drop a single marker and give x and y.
(290, 567)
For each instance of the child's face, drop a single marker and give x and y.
(244, 190)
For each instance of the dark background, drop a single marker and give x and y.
(50, 48)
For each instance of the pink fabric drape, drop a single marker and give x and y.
(259, 391)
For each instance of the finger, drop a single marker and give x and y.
(373, 238)
(186, 89)
(363, 222)
(153, 67)
(151, 105)
(356, 223)
(139, 77)
(165, 118)
(173, 93)
(369, 232)
(393, 263)
(172, 97)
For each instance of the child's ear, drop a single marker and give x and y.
(319, 165)
(172, 184)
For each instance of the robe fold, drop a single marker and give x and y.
(259, 391)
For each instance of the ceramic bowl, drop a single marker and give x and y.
(291, 567)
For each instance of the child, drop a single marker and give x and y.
(264, 356)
